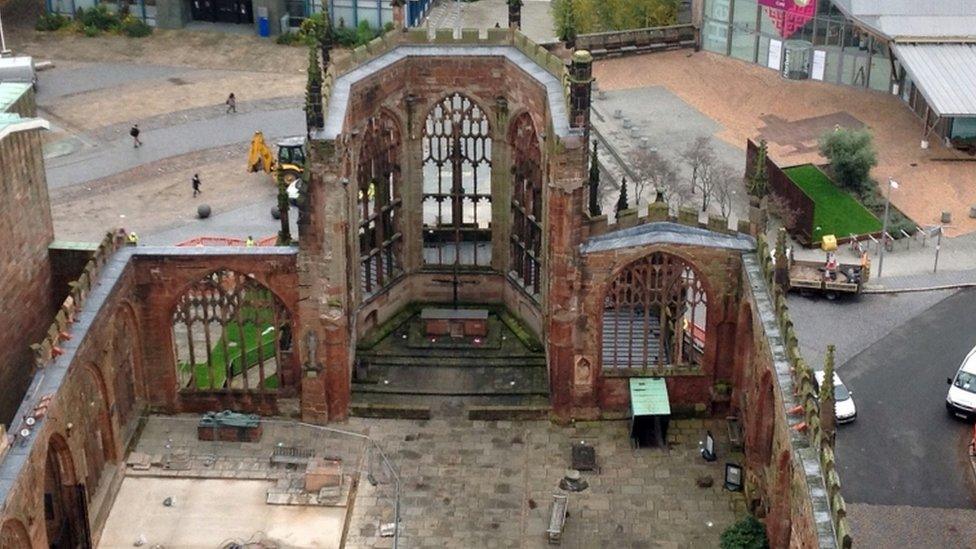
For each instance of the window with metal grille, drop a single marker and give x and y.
(654, 315)
(230, 332)
(526, 237)
(378, 180)
(457, 184)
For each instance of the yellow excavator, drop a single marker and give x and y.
(290, 161)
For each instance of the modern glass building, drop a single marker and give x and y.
(921, 50)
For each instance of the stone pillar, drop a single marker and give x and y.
(412, 190)
(501, 188)
(565, 207)
(314, 115)
(399, 18)
(324, 341)
(580, 89)
(515, 14)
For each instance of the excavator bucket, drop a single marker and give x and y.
(259, 157)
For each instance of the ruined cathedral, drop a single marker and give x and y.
(445, 219)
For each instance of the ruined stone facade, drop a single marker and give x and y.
(720, 337)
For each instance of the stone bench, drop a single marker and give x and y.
(557, 519)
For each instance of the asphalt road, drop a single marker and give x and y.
(904, 449)
(117, 156)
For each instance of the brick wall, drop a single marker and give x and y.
(25, 232)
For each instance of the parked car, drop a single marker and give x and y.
(961, 399)
(844, 409)
(18, 69)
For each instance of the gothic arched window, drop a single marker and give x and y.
(230, 332)
(526, 246)
(654, 315)
(378, 180)
(457, 184)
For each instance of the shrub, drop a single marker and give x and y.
(586, 16)
(51, 22)
(748, 533)
(135, 27)
(364, 33)
(388, 26)
(314, 28)
(91, 31)
(290, 39)
(99, 18)
(345, 36)
(851, 154)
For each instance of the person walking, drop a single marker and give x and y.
(196, 185)
(231, 103)
(134, 132)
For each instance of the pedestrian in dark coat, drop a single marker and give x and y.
(134, 132)
(196, 185)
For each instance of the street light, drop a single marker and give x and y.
(892, 184)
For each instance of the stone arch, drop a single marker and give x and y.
(527, 203)
(654, 313)
(762, 423)
(126, 363)
(231, 331)
(779, 520)
(744, 351)
(14, 535)
(185, 284)
(456, 212)
(99, 443)
(379, 202)
(64, 501)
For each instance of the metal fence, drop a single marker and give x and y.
(178, 447)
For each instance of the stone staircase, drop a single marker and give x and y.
(503, 379)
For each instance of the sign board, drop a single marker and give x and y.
(775, 54)
(819, 64)
(649, 397)
(789, 16)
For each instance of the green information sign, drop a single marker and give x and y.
(649, 397)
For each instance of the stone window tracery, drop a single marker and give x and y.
(378, 179)
(654, 315)
(230, 332)
(457, 184)
(526, 236)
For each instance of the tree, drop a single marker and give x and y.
(780, 208)
(748, 533)
(758, 183)
(564, 17)
(652, 172)
(622, 198)
(699, 155)
(594, 183)
(313, 92)
(725, 181)
(851, 154)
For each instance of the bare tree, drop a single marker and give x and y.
(652, 172)
(780, 207)
(699, 156)
(725, 181)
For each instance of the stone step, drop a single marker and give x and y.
(419, 407)
(436, 360)
(476, 380)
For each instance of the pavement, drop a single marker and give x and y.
(484, 14)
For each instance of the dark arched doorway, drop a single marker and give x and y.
(65, 509)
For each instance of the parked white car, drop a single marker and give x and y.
(961, 399)
(844, 409)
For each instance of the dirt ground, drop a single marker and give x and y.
(739, 96)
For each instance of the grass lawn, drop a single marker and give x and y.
(836, 212)
(251, 336)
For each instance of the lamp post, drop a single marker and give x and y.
(938, 246)
(892, 184)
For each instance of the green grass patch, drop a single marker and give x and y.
(255, 336)
(835, 212)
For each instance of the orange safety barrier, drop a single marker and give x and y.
(226, 241)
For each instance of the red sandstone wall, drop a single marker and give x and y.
(25, 293)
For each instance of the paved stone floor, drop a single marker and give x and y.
(489, 484)
(484, 14)
(484, 483)
(739, 95)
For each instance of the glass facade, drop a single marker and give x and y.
(841, 52)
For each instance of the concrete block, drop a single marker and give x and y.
(627, 218)
(498, 36)
(688, 215)
(718, 223)
(444, 36)
(657, 211)
(469, 36)
(417, 36)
